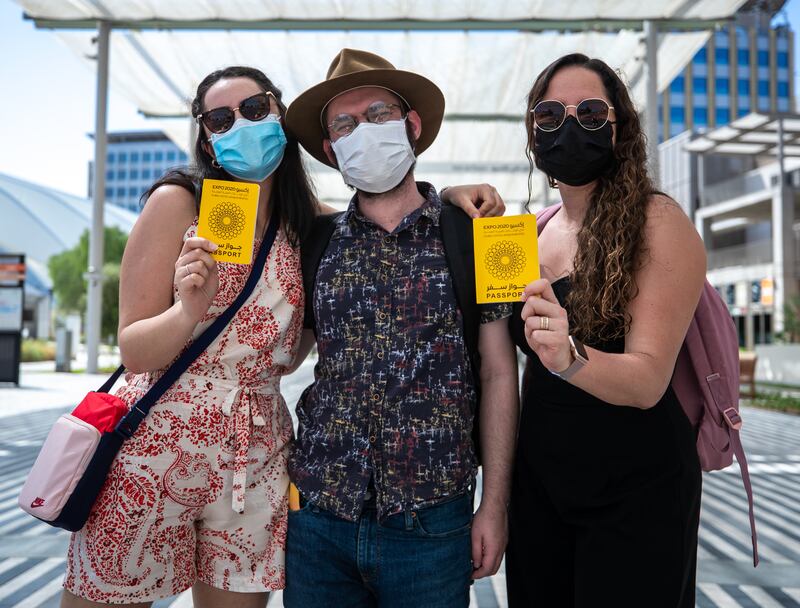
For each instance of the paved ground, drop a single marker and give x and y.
(32, 553)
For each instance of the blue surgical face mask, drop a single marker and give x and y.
(251, 150)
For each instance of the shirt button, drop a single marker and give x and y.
(387, 240)
(372, 438)
(376, 397)
(380, 355)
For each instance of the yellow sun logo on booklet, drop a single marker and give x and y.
(506, 257)
(228, 212)
(505, 260)
(226, 220)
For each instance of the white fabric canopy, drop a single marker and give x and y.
(485, 75)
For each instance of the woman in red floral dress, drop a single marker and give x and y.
(197, 498)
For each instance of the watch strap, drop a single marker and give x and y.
(579, 360)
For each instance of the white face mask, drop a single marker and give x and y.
(374, 157)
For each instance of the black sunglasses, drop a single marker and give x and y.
(592, 114)
(221, 119)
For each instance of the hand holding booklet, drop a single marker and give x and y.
(228, 212)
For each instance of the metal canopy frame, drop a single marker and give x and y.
(105, 24)
(752, 134)
(524, 25)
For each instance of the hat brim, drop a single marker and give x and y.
(422, 95)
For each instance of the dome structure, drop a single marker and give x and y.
(40, 222)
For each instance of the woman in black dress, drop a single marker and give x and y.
(606, 493)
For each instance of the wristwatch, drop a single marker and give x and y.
(580, 356)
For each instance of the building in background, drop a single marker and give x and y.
(751, 235)
(746, 66)
(135, 159)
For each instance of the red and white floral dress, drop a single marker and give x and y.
(199, 492)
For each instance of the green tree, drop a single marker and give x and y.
(110, 317)
(68, 267)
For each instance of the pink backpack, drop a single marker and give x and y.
(706, 382)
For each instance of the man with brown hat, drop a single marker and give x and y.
(385, 461)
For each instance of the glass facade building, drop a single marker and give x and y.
(746, 66)
(134, 160)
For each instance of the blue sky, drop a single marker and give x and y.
(48, 97)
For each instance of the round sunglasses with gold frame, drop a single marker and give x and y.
(592, 114)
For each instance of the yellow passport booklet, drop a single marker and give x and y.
(228, 213)
(506, 257)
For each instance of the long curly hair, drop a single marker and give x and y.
(610, 241)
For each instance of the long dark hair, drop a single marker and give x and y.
(293, 199)
(611, 240)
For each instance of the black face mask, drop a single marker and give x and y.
(573, 155)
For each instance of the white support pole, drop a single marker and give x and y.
(783, 262)
(701, 183)
(193, 128)
(94, 274)
(651, 110)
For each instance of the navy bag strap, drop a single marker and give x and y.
(127, 426)
(112, 380)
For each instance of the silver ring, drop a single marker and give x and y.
(186, 268)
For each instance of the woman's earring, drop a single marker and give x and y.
(215, 164)
(552, 183)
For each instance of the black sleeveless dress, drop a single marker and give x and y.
(605, 501)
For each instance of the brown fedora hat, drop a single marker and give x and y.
(351, 69)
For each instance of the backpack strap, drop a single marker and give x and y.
(457, 239)
(740, 458)
(738, 450)
(715, 392)
(545, 215)
(314, 245)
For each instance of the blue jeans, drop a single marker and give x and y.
(415, 558)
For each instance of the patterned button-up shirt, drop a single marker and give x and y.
(394, 395)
